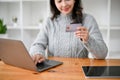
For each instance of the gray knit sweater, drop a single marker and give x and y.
(60, 43)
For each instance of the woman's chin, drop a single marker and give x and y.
(66, 13)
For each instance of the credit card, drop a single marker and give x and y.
(72, 27)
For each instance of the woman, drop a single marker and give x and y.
(86, 39)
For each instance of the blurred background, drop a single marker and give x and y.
(23, 20)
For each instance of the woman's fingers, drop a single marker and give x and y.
(38, 58)
(82, 33)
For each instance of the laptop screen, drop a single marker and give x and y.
(101, 71)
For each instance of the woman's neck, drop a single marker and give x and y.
(65, 15)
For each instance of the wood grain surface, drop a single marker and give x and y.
(71, 69)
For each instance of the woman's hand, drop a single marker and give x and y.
(82, 33)
(38, 58)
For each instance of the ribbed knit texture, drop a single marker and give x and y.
(60, 43)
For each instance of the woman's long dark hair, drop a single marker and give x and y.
(76, 13)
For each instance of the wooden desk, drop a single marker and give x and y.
(70, 70)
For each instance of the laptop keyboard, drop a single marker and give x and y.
(42, 65)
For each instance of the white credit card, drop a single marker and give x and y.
(72, 27)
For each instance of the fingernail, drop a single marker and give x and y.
(39, 61)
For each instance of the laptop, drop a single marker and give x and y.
(13, 52)
(101, 71)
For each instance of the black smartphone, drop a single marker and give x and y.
(72, 27)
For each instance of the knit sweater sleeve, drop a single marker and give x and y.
(40, 43)
(95, 45)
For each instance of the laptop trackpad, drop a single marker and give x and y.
(47, 64)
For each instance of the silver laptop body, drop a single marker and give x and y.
(13, 52)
